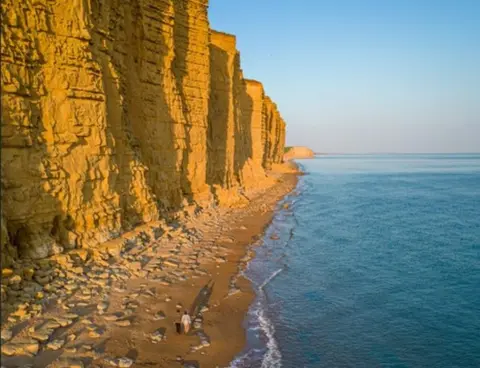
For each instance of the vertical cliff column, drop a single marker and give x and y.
(271, 127)
(256, 93)
(266, 122)
(222, 115)
(278, 139)
(273, 134)
(281, 143)
(191, 68)
(128, 88)
(249, 146)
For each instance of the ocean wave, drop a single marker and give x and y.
(270, 278)
(273, 357)
(269, 356)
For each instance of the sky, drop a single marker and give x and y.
(364, 76)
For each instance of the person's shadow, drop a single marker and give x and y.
(202, 299)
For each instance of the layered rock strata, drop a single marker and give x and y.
(116, 113)
(274, 134)
(222, 113)
(250, 155)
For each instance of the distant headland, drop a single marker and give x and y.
(297, 152)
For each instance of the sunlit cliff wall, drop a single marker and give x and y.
(274, 134)
(116, 112)
(250, 167)
(222, 110)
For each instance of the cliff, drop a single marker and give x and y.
(119, 113)
(274, 134)
(298, 152)
(222, 115)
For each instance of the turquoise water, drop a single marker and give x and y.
(377, 265)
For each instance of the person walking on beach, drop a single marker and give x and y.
(186, 321)
(178, 324)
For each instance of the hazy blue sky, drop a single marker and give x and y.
(364, 75)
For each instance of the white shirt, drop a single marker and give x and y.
(186, 319)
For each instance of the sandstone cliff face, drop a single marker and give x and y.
(274, 136)
(250, 165)
(222, 110)
(115, 112)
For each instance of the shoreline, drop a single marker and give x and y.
(132, 317)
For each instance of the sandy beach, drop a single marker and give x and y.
(124, 314)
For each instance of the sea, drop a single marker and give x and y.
(373, 261)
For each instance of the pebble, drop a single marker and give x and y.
(71, 316)
(7, 272)
(6, 335)
(71, 287)
(42, 334)
(122, 362)
(56, 344)
(102, 306)
(111, 317)
(51, 325)
(204, 309)
(86, 321)
(159, 316)
(20, 347)
(150, 292)
(15, 280)
(95, 333)
(196, 347)
(123, 323)
(157, 336)
(64, 322)
(91, 327)
(197, 325)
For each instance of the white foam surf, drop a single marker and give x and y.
(272, 358)
(270, 278)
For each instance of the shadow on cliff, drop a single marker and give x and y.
(218, 117)
(243, 127)
(139, 115)
(181, 35)
(267, 162)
